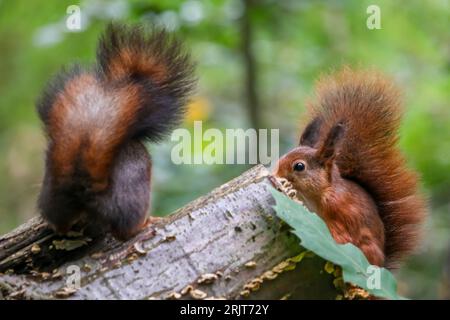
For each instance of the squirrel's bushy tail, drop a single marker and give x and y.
(369, 107)
(158, 64)
(136, 90)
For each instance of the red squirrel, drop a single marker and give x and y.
(349, 170)
(96, 120)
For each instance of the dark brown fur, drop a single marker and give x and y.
(96, 119)
(363, 163)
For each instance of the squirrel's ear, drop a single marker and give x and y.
(328, 149)
(311, 134)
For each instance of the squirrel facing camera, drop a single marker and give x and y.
(349, 170)
(96, 120)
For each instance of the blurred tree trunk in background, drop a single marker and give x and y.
(251, 72)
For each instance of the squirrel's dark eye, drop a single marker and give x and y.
(299, 166)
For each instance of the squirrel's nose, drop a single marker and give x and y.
(277, 169)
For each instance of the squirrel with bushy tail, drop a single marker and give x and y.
(348, 168)
(98, 170)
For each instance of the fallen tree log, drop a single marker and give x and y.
(228, 244)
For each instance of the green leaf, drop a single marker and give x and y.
(315, 236)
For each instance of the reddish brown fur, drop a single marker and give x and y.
(366, 157)
(98, 170)
(349, 212)
(75, 133)
(126, 60)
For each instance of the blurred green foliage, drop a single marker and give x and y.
(293, 43)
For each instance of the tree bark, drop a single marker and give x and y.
(228, 244)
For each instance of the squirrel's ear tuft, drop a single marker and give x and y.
(327, 151)
(311, 134)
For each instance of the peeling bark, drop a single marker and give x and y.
(227, 244)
